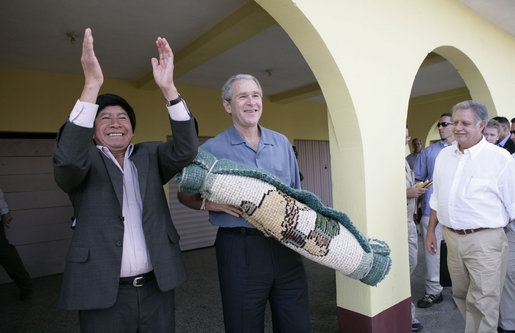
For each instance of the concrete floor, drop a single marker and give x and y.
(198, 306)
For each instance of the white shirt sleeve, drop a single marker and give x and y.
(433, 200)
(506, 185)
(83, 114)
(179, 111)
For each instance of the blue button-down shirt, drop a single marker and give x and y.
(274, 154)
(424, 167)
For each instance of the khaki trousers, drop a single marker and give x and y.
(477, 265)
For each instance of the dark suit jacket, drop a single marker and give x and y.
(95, 186)
(510, 146)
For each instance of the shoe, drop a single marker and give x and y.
(428, 300)
(415, 327)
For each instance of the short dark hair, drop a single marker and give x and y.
(112, 100)
(513, 120)
(502, 120)
(227, 87)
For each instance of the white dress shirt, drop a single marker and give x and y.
(135, 256)
(474, 189)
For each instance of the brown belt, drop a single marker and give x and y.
(466, 231)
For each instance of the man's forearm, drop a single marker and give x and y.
(433, 221)
(193, 201)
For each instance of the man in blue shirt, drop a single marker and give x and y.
(417, 148)
(252, 268)
(424, 167)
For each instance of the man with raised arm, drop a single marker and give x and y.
(124, 259)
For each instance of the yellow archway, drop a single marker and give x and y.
(365, 56)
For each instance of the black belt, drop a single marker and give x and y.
(138, 280)
(241, 231)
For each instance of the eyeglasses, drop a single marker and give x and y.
(443, 124)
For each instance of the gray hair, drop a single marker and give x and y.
(227, 87)
(480, 111)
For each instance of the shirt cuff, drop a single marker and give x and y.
(179, 111)
(83, 114)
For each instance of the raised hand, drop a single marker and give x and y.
(93, 76)
(163, 69)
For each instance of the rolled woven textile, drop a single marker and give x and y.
(296, 218)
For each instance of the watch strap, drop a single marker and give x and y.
(173, 101)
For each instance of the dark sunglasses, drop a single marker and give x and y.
(444, 124)
(512, 132)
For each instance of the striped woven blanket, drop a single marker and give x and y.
(296, 218)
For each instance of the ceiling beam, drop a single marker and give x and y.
(297, 94)
(247, 21)
(313, 90)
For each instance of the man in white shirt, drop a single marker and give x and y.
(474, 199)
(124, 260)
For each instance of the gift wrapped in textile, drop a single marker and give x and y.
(296, 218)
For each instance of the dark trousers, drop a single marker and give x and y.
(137, 309)
(254, 269)
(11, 261)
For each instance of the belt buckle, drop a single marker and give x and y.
(136, 282)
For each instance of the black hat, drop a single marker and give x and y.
(111, 99)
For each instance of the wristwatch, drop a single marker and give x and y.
(173, 101)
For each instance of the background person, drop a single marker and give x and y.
(417, 148)
(492, 131)
(412, 193)
(504, 138)
(9, 257)
(424, 171)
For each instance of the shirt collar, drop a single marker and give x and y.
(442, 143)
(503, 142)
(474, 150)
(107, 152)
(237, 139)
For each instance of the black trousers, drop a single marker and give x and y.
(253, 270)
(11, 261)
(145, 309)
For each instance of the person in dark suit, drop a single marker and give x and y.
(9, 258)
(504, 137)
(124, 259)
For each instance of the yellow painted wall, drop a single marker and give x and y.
(40, 102)
(365, 55)
(424, 112)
